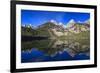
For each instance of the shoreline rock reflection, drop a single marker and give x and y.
(52, 48)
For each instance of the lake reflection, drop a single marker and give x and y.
(55, 50)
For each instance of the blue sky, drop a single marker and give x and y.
(39, 17)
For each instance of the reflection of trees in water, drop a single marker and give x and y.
(52, 47)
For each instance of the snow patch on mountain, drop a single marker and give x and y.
(87, 21)
(70, 23)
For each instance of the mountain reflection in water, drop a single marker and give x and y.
(55, 50)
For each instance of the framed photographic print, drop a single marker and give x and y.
(52, 36)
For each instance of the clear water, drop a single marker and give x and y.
(54, 50)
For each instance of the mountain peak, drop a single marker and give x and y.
(80, 22)
(72, 21)
(87, 21)
(60, 23)
(53, 21)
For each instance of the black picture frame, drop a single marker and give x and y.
(13, 35)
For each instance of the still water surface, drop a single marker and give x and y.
(55, 50)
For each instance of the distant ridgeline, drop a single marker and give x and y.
(54, 30)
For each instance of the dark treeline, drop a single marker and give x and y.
(31, 38)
